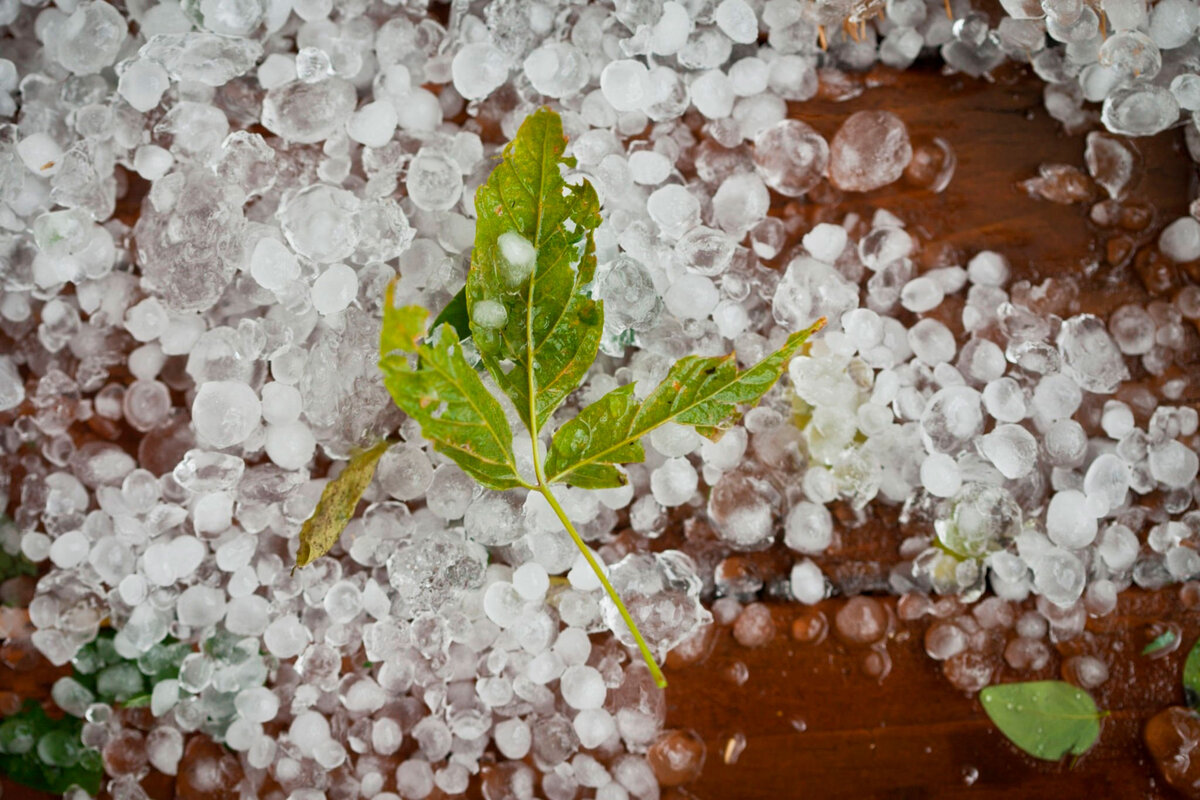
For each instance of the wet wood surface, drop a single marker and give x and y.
(814, 725)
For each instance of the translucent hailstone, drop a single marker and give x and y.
(952, 419)
(691, 297)
(334, 289)
(1132, 329)
(436, 569)
(321, 222)
(517, 258)
(142, 84)
(1011, 449)
(791, 158)
(825, 242)
(870, 150)
(674, 482)
(982, 518)
(434, 182)
(309, 112)
(89, 39)
(736, 20)
(290, 445)
(1180, 241)
(630, 298)
(940, 475)
(626, 84)
(1140, 109)
(921, 294)
(712, 94)
(225, 413)
(488, 314)
(932, 342)
(557, 69)
(478, 69)
(1173, 463)
(674, 209)
(1090, 356)
(373, 124)
(662, 593)
(740, 202)
(1059, 576)
(1069, 522)
(649, 167)
(809, 290)
(808, 528)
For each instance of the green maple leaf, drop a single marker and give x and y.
(537, 331)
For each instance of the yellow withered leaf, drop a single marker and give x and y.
(337, 505)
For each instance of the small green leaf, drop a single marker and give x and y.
(702, 392)
(536, 328)
(1046, 719)
(447, 397)
(337, 505)
(1191, 676)
(1163, 640)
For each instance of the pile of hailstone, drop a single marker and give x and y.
(176, 393)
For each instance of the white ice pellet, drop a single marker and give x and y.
(373, 124)
(143, 83)
(40, 154)
(626, 84)
(807, 583)
(225, 413)
(1180, 241)
(582, 687)
(334, 289)
(478, 69)
(736, 20)
(674, 482)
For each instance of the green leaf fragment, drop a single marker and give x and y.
(337, 504)
(1163, 640)
(455, 315)
(447, 397)
(539, 349)
(698, 391)
(1046, 719)
(1191, 676)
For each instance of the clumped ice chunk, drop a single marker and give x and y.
(188, 252)
(436, 569)
(870, 150)
(1090, 356)
(809, 290)
(791, 157)
(307, 113)
(206, 58)
(662, 593)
